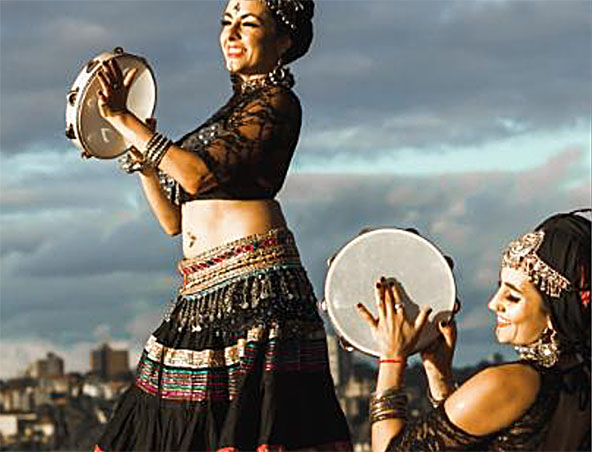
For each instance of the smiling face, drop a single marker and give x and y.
(521, 316)
(249, 39)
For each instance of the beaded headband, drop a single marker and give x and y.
(521, 255)
(287, 11)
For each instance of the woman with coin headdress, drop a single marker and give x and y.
(541, 401)
(240, 361)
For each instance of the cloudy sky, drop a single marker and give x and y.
(469, 120)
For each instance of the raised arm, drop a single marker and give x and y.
(164, 209)
(166, 212)
(251, 144)
(437, 363)
(183, 166)
(487, 403)
(264, 129)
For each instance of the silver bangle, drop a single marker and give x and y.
(156, 148)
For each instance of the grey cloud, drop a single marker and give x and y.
(79, 246)
(437, 72)
(86, 242)
(59, 210)
(461, 65)
(67, 309)
(471, 216)
(59, 37)
(100, 268)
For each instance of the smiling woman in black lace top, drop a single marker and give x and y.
(240, 361)
(542, 401)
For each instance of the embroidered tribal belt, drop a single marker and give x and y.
(239, 258)
(244, 283)
(250, 302)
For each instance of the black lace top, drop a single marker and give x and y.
(436, 432)
(247, 145)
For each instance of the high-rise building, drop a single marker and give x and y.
(106, 362)
(340, 361)
(51, 366)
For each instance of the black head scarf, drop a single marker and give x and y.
(566, 248)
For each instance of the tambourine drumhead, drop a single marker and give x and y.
(424, 276)
(85, 126)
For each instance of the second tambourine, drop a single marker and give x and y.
(421, 271)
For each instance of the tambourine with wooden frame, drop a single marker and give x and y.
(85, 127)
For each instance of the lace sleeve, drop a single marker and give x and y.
(247, 151)
(435, 432)
(172, 189)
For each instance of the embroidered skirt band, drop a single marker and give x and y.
(238, 357)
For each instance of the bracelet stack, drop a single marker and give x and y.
(390, 404)
(156, 148)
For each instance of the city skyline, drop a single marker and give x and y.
(469, 121)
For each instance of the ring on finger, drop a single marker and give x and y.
(398, 306)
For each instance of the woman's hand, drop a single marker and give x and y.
(394, 333)
(437, 360)
(438, 356)
(114, 89)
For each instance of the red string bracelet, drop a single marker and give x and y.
(393, 361)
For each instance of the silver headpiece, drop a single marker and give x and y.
(521, 255)
(287, 11)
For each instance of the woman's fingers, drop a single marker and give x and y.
(129, 78)
(115, 69)
(107, 73)
(367, 316)
(112, 75)
(110, 69)
(380, 302)
(449, 332)
(421, 319)
(136, 154)
(391, 301)
(104, 82)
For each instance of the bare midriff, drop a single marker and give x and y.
(210, 223)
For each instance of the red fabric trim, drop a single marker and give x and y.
(337, 447)
(584, 294)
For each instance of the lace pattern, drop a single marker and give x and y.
(436, 432)
(246, 146)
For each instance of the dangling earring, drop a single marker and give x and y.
(544, 351)
(278, 73)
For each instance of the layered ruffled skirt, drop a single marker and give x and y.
(239, 363)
